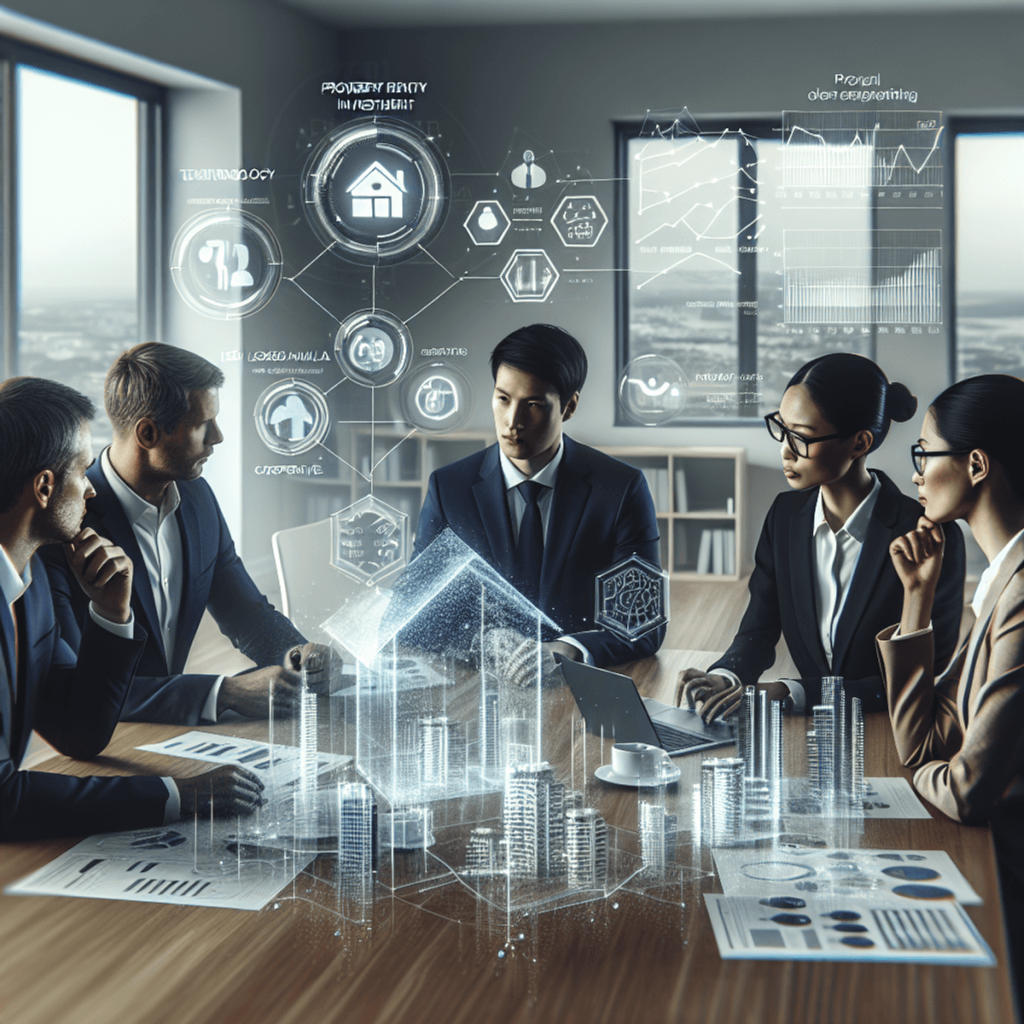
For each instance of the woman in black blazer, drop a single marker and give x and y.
(835, 411)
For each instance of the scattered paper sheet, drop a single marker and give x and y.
(158, 865)
(909, 876)
(219, 749)
(819, 928)
(892, 798)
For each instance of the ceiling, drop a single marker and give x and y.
(407, 13)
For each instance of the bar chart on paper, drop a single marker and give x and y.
(863, 276)
(862, 149)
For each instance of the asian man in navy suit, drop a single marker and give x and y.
(547, 512)
(73, 703)
(150, 499)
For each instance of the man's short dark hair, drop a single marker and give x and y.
(40, 421)
(547, 352)
(154, 381)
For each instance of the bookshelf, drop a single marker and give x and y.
(402, 468)
(700, 500)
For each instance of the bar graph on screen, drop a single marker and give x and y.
(891, 276)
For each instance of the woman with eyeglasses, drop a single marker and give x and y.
(963, 730)
(822, 576)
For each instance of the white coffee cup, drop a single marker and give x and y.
(636, 760)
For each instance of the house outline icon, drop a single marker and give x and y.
(377, 192)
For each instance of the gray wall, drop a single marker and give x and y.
(562, 87)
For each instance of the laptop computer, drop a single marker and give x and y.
(610, 704)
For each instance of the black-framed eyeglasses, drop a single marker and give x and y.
(920, 456)
(801, 445)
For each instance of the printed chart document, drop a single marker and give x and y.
(282, 770)
(158, 865)
(919, 877)
(818, 928)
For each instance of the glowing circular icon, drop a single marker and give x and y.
(436, 398)
(226, 264)
(652, 390)
(292, 417)
(375, 190)
(373, 348)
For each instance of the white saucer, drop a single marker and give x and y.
(607, 774)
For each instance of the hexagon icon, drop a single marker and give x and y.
(369, 539)
(529, 276)
(487, 223)
(631, 598)
(580, 221)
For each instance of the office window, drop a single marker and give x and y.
(746, 249)
(82, 220)
(989, 257)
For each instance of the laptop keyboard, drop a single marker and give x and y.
(676, 739)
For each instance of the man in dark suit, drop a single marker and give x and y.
(545, 511)
(149, 498)
(75, 706)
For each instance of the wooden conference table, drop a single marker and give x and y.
(624, 958)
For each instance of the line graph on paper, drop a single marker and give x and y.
(862, 149)
(857, 277)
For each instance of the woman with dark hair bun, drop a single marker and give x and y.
(822, 576)
(963, 730)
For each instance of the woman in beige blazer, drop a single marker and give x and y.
(964, 732)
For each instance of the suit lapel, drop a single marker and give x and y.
(801, 579)
(571, 494)
(7, 671)
(874, 556)
(1011, 564)
(112, 523)
(190, 610)
(492, 506)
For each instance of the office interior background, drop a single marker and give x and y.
(97, 185)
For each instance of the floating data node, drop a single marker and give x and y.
(652, 390)
(529, 276)
(436, 398)
(631, 598)
(226, 264)
(292, 417)
(579, 221)
(373, 348)
(369, 539)
(487, 223)
(376, 191)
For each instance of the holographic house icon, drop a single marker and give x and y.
(377, 192)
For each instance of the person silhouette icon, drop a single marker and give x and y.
(529, 174)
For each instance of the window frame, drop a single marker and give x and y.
(957, 125)
(152, 99)
(757, 127)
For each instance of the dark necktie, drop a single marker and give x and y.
(530, 547)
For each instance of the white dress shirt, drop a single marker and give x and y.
(158, 535)
(517, 506)
(13, 587)
(835, 561)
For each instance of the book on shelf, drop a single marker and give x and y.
(657, 484)
(717, 557)
(704, 552)
(717, 553)
(680, 488)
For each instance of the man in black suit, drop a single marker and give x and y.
(150, 499)
(545, 511)
(75, 706)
